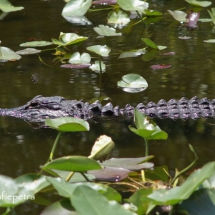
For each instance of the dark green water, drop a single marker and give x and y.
(23, 148)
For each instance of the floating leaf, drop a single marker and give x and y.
(129, 163)
(199, 3)
(6, 6)
(133, 53)
(76, 7)
(66, 39)
(161, 66)
(118, 18)
(100, 50)
(7, 54)
(178, 15)
(102, 147)
(72, 163)
(133, 5)
(132, 81)
(96, 67)
(105, 30)
(162, 47)
(78, 20)
(28, 51)
(184, 37)
(210, 41)
(36, 44)
(77, 58)
(68, 124)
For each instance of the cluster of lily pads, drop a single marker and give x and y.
(85, 184)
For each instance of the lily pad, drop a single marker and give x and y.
(6, 6)
(28, 51)
(133, 5)
(96, 67)
(78, 20)
(133, 53)
(100, 50)
(132, 81)
(7, 54)
(105, 30)
(118, 18)
(77, 58)
(36, 44)
(210, 41)
(178, 15)
(199, 3)
(68, 124)
(76, 7)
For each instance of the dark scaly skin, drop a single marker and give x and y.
(40, 108)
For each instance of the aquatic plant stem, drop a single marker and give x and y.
(54, 146)
(146, 147)
(100, 75)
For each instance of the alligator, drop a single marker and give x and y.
(41, 108)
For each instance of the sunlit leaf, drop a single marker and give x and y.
(66, 39)
(7, 54)
(132, 81)
(100, 50)
(73, 163)
(133, 5)
(102, 147)
(68, 124)
(36, 44)
(210, 41)
(133, 53)
(146, 128)
(77, 58)
(177, 194)
(78, 20)
(162, 47)
(129, 163)
(28, 51)
(118, 18)
(84, 203)
(199, 3)
(6, 6)
(76, 7)
(105, 30)
(178, 15)
(96, 67)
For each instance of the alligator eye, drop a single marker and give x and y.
(33, 104)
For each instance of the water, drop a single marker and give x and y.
(24, 148)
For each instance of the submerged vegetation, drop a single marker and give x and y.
(96, 184)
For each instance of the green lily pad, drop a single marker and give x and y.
(133, 53)
(210, 41)
(76, 8)
(199, 3)
(132, 81)
(77, 58)
(68, 124)
(66, 39)
(100, 50)
(28, 51)
(6, 6)
(105, 30)
(36, 44)
(7, 54)
(178, 15)
(118, 18)
(73, 163)
(96, 67)
(133, 5)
